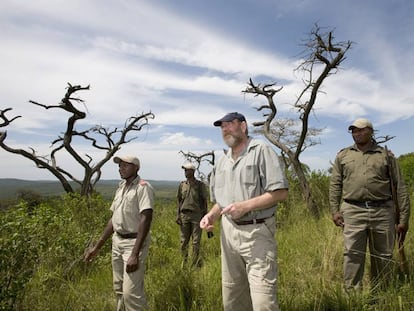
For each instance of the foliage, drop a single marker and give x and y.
(43, 242)
(319, 184)
(406, 162)
(41, 265)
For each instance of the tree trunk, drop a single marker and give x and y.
(306, 190)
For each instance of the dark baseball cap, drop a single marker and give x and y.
(230, 117)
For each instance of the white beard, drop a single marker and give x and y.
(230, 140)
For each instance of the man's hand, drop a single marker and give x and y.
(207, 222)
(338, 219)
(90, 254)
(235, 210)
(401, 232)
(132, 264)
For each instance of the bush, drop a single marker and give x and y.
(406, 163)
(42, 242)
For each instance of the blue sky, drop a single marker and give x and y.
(188, 62)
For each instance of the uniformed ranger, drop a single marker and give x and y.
(361, 202)
(129, 226)
(191, 207)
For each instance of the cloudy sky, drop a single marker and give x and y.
(187, 61)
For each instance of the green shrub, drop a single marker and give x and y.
(19, 254)
(42, 243)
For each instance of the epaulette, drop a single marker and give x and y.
(342, 150)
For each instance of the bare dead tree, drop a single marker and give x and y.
(323, 56)
(105, 139)
(383, 139)
(196, 160)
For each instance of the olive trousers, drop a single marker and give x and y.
(190, 230)
(374, 226)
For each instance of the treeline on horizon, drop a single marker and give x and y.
(12, 188)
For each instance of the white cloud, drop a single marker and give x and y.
(142, 56)
(180, 139)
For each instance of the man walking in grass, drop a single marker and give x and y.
(361, 178)
(191, 207)
(246, 184)
(129, 227)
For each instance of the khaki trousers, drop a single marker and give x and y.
(129, 287)
(249, 267)
(374, 226)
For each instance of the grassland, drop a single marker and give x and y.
(42, 253)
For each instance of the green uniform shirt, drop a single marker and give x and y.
(364, 176)
(192, 199)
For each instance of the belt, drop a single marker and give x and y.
(251, 222)
(367, 204)
(131, 235)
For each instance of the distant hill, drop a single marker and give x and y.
(9, 187)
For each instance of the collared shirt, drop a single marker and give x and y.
(192, 196)
(129, 202)
(365, 176)
(256, 171)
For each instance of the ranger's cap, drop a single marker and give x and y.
(230, 117)
(128, 159)
(361, 123)
(188, 166)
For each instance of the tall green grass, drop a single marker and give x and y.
(45, 247)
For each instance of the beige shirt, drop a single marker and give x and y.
(256, 171)
(129, 202)
(364, 176)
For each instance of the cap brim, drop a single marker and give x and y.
(117, 159)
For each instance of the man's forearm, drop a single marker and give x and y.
(215, 212)
(143, 229)
(266, 200)
(105, 235)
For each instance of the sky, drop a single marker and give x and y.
(187, 62)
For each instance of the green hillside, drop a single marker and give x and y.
(10, 187)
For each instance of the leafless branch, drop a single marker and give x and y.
(196, 160)
(6, 121)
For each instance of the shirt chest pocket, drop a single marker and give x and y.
(249, 174)
(349, 166)
(130, 201)
(379, 166)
